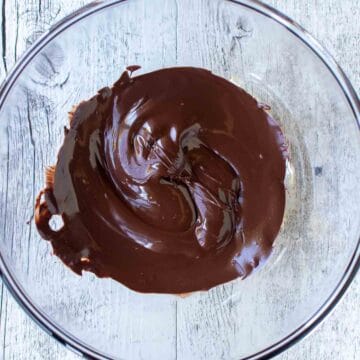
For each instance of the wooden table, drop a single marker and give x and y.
(336, 25)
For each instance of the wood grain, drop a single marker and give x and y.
(333, 23)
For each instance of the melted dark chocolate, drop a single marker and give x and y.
(167, 182)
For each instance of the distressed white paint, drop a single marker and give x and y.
(335, 24)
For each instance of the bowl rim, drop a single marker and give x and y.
(306, 327)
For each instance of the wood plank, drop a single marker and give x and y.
(22, 23)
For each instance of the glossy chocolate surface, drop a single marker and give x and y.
(167, 182)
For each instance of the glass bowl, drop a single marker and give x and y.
(316, 253)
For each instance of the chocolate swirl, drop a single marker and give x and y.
(168, 182)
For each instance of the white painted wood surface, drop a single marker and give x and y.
(332, 22)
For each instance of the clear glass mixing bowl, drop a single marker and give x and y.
(317, 252)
